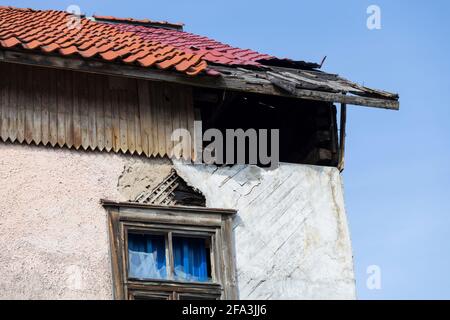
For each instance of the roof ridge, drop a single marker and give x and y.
(143, 21)
(32, 9)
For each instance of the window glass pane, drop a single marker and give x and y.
(191, 259)
(147, 256)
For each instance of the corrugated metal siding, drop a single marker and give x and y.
(89, 111)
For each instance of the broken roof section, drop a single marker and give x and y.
(163, 45)
(143, 22)
(211, 50)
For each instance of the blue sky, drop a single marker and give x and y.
(397, 176)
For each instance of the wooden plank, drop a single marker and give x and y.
(334, 143)
(84, 109)
(145, 117)
(68, 102)
(45, 107)
(179, 112)
(37, 88)
(185, 105)
(229, 277)
(154, 110)
(130, 107)
(107, 107)
(5, 104)
(53, 110)
(342, 137)
(229, 82)
(137, 118)
(116, 257)
(28, 104)
(182, 118)
(190, 118)
(115, 117)
(160, 114)
(92, 122)
(197, 134)
(61, 105)
(99, 111)
(76, 117)
(21, 101)
(123, 122)
(168, 106)
(13, 103)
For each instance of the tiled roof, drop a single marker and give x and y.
(57, 32)
(212, 50)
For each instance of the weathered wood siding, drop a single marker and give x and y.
(90, 111)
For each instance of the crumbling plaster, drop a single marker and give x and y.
(291, 234)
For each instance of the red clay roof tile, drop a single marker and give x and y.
(109, 55)
(33, 44)
(68, 50)
(148, 60)
(214, 51)
(57, 31)
(170, 62)
(10, 42)
(50, 48)
(89, 53)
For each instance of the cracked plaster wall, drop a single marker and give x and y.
(291, 234)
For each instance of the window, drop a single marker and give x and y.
(171, 253)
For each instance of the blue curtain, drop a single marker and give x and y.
(190, 259)
(147, 256)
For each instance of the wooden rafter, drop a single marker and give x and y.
(235, 79)
(342, 137)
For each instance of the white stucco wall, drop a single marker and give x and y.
(53, 229)
(291, 234)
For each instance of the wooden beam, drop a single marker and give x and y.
(136, 205)
(342, 136)
(334, 97)
(229, 80)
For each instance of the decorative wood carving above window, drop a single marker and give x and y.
(162, 252)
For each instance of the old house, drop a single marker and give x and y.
(98, 201)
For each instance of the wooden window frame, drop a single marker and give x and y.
(214, 224)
